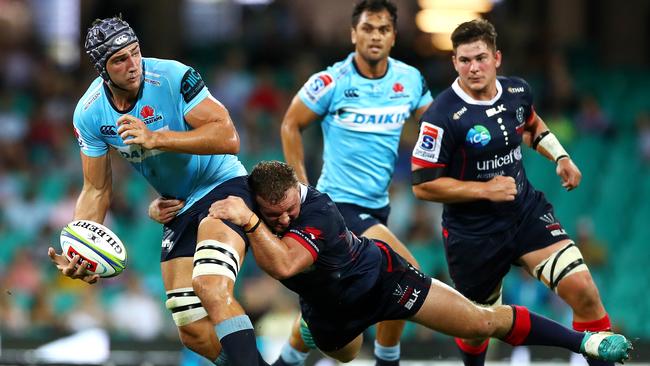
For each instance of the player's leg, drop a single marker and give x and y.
(389, 332)
(446, 310)
(195, 329)
(220, 251)
(296, 350)
(348, 352)
(550, 255)
(561, 267)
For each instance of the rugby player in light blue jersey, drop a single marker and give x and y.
(362, 104)
(160, 117)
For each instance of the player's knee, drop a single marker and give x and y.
(560, 265)
(212, 290)
(216, 265)
(581, 293)
(193, 337)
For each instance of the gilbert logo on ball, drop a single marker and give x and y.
(101, 250)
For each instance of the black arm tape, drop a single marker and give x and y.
(426, 175)
(539, 138)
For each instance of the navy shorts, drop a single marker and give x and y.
(399, 292)
(179, 235)
(359, 219)
(478, 264)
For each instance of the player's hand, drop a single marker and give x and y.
(74, 269)
(500, 189)
(569, 173)
(233, 209)
(164, 210)
(139, 133)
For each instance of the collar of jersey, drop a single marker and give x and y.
(469, 100)
(303, 192)
(109, 93)
(356, 68)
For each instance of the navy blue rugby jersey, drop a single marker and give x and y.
(474, 140)
(345, 266)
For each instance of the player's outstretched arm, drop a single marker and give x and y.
(92, 204)
(298, 117)
(280, 258)
(213, 132)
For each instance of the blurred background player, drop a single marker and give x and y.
(159, 115)
(468, 156)
(347, 283)
(362, 104)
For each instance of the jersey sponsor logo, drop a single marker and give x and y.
(495, 110)
(497, 162)
(313, 233)
(429, 142)
(108, 130)
(478, 136)
(91, 100)
(351, 93)
(373, 119)
(148, 114)
(398, 87)
(191, 85)
(512, 90)
(318, 85)
(152, 81)
(136, 154)
(460, 112)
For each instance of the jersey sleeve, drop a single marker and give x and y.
(189, 83)
(311, 231)
(435, 143)
(425, 94)
(90, 143)
(317, 92)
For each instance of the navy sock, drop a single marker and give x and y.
(472, 355)
(238, 341)
(532, 329)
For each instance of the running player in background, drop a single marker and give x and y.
(468, 156)
(362, 104)
(160, 117)
(347, 283)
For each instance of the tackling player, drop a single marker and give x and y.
(362, 104)
(468, 156)
(159, 116)
(347, 283)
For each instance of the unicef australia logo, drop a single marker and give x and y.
(478, 135)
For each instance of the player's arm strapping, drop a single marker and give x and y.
(540, 138)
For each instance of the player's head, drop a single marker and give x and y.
(276, 192)
(374, 29)
(114, 50)
(476, 57)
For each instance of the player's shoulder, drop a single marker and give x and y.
(318, 202)
(91, 98)
(402, 68)
(514, 84)
(445, 105)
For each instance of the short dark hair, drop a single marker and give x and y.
(374, 6)
(475, 30)
(270, 180)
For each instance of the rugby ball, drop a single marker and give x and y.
(97, 245)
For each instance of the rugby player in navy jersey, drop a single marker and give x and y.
(347, 283)
(159, 115)
(468, 156)
(361, 103)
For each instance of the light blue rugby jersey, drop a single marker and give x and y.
(362, 121)
(170, 90)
